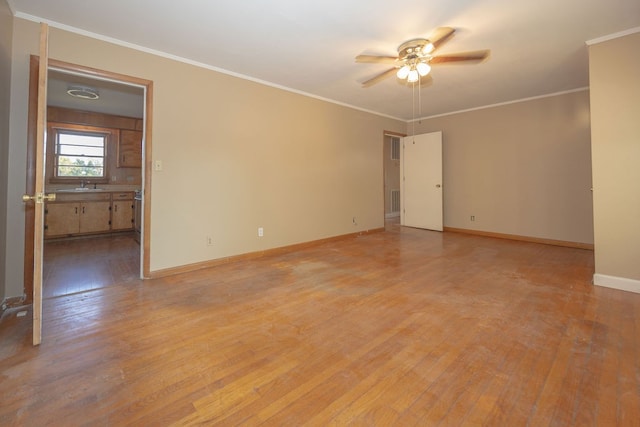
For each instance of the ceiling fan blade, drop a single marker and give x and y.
(477, 55)
(440, 36)
(377, 59)
(379, 77)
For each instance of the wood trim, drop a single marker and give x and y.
(94, 72)
(146, 176)
(390, 133)
(102, 120)
(552, 242)
(254, 255)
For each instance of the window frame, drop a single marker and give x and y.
(54, 129)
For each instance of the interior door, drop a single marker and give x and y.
(421, 172)
(38, 197)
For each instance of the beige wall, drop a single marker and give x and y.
(522, 169)
(614, 69)
(237, 155)
(6, 29)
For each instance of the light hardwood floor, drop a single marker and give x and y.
(404, 327)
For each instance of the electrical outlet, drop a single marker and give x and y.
(473, 217)
(260, 232)
(209, 241)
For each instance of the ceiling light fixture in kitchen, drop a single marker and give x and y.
(83, 92)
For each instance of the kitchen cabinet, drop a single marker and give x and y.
(73, 214)
(94, 217)
(130, 149)
(122, 211)
(62, 219)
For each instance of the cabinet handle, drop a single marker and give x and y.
(115, 208)
(83, 209)
(76, 210)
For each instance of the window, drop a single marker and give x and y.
(79, 152)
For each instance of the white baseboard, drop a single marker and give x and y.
(392, 215)
(621, 283)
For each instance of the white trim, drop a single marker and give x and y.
(194, 63)
(621, 283)
(549, 95)
(612, 36)
(392, 215)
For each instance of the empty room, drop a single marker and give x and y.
(338, 213)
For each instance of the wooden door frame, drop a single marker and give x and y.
(31, 158)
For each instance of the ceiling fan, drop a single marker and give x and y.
(415, 57)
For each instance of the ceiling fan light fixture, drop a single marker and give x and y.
(403, 72)
(83, 92)
(428, 48)
(413, 76)
(423, 68)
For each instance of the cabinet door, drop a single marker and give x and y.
(94, 217)
(122, 215)
(61, 219)
(130, 149)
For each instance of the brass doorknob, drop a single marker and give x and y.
(39, 197)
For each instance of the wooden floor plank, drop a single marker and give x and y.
(404, 327)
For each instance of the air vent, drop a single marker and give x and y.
(395, 148)
(395, 200)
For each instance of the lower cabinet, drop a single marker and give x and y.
(122, 211)
(93, 213)
(94, 217)
(62, 219)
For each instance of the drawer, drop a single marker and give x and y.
(122, 195)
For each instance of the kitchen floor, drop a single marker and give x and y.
(78, 265)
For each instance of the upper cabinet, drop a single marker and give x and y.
(130, 149)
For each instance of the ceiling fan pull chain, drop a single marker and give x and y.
(413, 109)
(419, 99)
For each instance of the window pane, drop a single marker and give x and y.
(79, 150)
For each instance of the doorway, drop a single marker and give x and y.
(138, 91)
(391, 175)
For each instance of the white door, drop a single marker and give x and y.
(421, 172)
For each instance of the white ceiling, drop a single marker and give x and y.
(537, 47)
